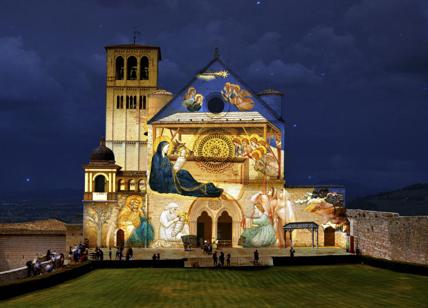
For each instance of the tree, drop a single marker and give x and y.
(98, 215)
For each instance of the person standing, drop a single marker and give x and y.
(131, 253)
(256, 257)
(222, 259)
(109, 253)
(215, 260)
(292, 251)
(228, 259)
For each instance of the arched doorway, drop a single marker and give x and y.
(204, 228)
(329, 237)
(120, 238)
(224, 229)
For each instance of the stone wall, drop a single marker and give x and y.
(16, 250)
(74, 235)
(390, 236)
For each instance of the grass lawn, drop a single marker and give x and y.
(337, 285)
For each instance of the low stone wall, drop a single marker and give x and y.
(16, 249)
(390, 236)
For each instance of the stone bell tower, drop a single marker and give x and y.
(132, 76)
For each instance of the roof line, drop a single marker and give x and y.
(252, 91)
(270, 110)
(181, 90)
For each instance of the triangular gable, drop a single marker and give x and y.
(216, 79)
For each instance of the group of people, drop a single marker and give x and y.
(260, 151)
(207, 247)
(45, 264)
(218, 259)
(129, 254)
(78, 253)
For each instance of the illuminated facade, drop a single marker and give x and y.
(208, 162)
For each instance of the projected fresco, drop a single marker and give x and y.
(124, 225)
(206, 163)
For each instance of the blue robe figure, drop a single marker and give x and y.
(164, 179)
(142, 235)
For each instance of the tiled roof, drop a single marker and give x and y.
(208, 117)
(48, 226)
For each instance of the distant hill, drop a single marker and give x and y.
(62, 204)
(408, 201)
(66, 204)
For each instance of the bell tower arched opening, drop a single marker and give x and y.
(144, 68)
(132, 68)
(120, 68)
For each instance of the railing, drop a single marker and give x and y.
(224, 243)
(99, 196)
(234, 261)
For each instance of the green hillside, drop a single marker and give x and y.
(408, 201)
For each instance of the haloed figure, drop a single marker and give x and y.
(164, 178)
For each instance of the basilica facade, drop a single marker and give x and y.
(205, 164)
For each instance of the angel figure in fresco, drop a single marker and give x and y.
(133, 219)
(261, 233)
(279, 205)
(238, 147)
(246, 148)
(164, 178)
(241, 98)
(329, 205)
(192, 100)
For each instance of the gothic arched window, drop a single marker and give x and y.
(132, 185)
(141, 185)
(144, 68)
(122, 185)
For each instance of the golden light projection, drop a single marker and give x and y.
(216, 149)
(213, 168)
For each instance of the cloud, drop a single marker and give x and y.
(282, 74)
(23, 74)
(327, 51)
(394, 32)
(171, 74)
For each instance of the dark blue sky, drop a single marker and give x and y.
(354, 73)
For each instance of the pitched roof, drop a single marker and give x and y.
(175, 104)
(203, 117)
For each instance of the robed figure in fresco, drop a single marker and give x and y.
(164, 178)
(133, 219)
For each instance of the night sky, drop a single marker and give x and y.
(354, 73)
